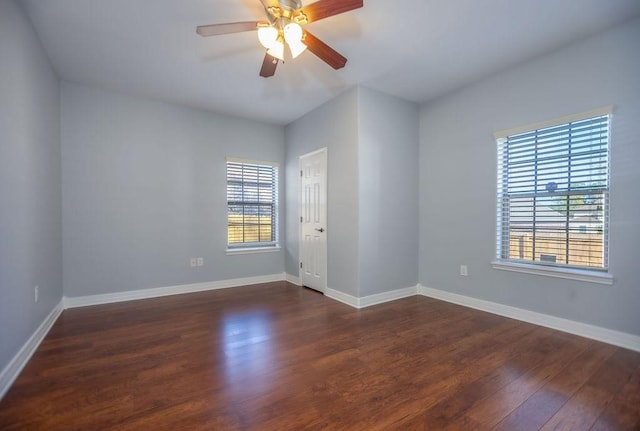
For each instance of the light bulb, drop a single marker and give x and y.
(277, 50)
(293, 36)
(297, 48)
(267, 36)
(292, 32)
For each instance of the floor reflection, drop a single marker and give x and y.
(249, 351)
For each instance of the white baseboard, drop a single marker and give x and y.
(131, 295)
(10, 373)
(609, 336)
(293, 279)
(341, 297)
(368, 301)
(379, 298)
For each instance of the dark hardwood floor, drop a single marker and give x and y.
(278, 357)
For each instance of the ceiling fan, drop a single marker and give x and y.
(285, 19)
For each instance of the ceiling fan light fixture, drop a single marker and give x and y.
(267, 36)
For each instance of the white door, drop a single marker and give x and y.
(313, 220)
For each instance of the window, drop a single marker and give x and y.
(252, 204)
(553, 190)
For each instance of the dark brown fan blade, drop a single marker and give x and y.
(326, 8)
(230, 27)
(269, 65)
(323, 51)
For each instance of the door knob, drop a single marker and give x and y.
(320, 230)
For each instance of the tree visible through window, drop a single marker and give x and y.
(252, 204)
(553, 189)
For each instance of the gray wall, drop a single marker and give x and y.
(388, 192)
(30, 215)
(144, 190)
(333, 125)
(458, 178)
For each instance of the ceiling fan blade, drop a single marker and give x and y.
(269, 65)
(326, 8)
(230, 27)
(323, 51)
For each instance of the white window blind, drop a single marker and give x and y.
(252, 204)
(553, 190)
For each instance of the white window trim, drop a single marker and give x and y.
(599, 277)
(607, 110)
(253, 250)
(252, 162)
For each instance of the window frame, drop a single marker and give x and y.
(599, 275)
(248, 247)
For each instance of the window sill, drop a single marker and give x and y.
(552, 271)
(252, 250)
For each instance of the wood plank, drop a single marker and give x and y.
(586, 405)
(544, 363)
(539, 408)
(486, 377)
(623, 413)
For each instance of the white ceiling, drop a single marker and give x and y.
(414, 49)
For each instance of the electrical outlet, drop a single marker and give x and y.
(193, 262)
(36, 292)
(200, 261)
(463, 270)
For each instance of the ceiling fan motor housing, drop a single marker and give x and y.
(289, 6)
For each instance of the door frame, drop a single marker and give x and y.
(326, 213)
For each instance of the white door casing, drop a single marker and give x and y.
(313, 220)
